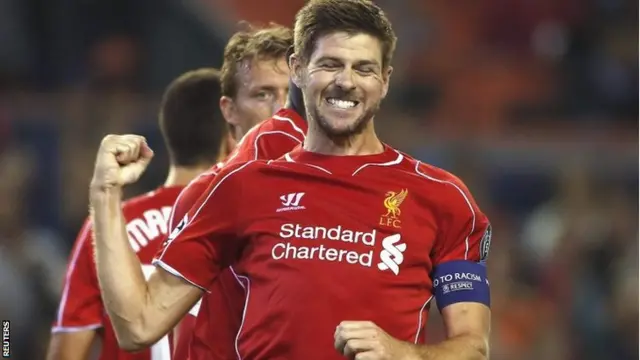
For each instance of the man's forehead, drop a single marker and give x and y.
(261, 70)
(346, 46)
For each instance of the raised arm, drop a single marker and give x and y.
(143, 311)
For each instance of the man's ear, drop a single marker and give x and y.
(296, 68)
(227, 107)
(386, 77)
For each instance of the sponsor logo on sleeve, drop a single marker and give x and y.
(177, 230)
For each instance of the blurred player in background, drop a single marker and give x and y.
(248, 94)
(219, 313)
(248, 98)
(251, 92)
(189, 117)
(345, 237)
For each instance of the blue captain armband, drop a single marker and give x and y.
(460, 281)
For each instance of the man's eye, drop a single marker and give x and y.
(262, 95)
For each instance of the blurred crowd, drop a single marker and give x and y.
(533, 103)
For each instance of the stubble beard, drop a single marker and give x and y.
(350, 131)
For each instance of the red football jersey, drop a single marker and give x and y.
(319, 239)
(219, 312)
(81, 305)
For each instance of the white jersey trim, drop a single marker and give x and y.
(72, 267)
(247, 291)
(288, 158)
(174, 272)
(396, 161)
(464, 196)
(420, 324)
(293, 124)
(206, 200)
(73, 329)
(255, 143)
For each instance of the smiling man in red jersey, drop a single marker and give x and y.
(341, 244)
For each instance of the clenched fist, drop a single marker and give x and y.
(121, 160)
(364, 340)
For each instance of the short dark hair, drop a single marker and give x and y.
(321, 17)
(263, 43)
(190, 117)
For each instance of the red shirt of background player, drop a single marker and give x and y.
(320, 239)
(81, 305)
(212, 335)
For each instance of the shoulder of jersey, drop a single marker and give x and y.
(158, 197)
(278, 123)
(430, 173)
(283, 122)
(229, 168)
(277, 127)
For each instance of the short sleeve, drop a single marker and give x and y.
(80, 305)
(466, 231)
(203, 239)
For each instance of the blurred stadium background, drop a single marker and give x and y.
(533, 103)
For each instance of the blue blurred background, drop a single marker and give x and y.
(533, 103)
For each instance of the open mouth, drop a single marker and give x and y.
(341, 104)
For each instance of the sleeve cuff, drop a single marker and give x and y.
(73, 329)
(176, 273)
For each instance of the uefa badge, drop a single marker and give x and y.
(485, 244)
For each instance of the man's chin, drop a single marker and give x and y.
(342, 128)
(340, 132)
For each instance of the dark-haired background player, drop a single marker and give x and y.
(189, 117)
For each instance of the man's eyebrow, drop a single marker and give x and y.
(358, 63)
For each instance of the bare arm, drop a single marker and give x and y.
(468, 326)
(459, 259)
(141, 312)
(71, 345)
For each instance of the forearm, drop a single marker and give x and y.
(122, 283)
(463, 347)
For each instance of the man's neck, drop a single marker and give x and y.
(364, 143)
(295, 101)
(181, 176)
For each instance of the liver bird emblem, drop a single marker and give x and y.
(393, 201)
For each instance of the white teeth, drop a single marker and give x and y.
(342, 104)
